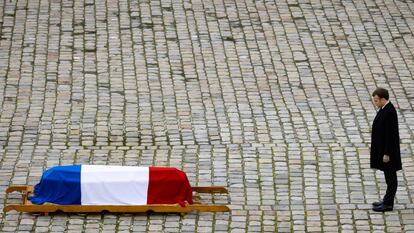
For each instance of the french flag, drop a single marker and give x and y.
(112, 185)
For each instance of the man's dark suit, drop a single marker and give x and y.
(385, 140)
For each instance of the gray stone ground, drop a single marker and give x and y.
(268, 98)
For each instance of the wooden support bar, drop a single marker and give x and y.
(211, 208)
(19, 189)
(115, 209)
(212, 189)
(197, 197)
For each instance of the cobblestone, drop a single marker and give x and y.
(268, 98)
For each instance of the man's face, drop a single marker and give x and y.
(378, 102)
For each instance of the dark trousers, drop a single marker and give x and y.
(392, 184)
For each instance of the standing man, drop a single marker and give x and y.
(385, 147)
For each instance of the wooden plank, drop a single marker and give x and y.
(212, 189)
(115, 209)
(210, 208)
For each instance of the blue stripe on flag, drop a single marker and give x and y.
(59, 185)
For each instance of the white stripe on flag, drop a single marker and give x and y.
(114, 185)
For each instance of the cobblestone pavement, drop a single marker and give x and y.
(268, 98)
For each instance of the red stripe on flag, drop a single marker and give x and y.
(168, 186)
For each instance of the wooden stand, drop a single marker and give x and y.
(27, 206)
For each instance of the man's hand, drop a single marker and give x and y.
(386, 158)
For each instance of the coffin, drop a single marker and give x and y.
(112, 185)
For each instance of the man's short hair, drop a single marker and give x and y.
(381, 93)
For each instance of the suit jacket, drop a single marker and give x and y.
(385, 140)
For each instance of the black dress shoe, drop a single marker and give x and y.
(377, 203)
(383, 208)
